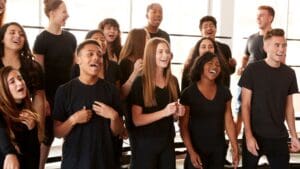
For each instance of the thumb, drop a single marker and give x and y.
(84, 108)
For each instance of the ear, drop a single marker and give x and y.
(77, 59)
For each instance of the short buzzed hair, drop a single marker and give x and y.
(150, 6)
(274, 32)
(86, 42)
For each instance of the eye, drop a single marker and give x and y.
(90, 54)
(20, 77)
(11, 81)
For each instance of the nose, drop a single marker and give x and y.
(19, 82)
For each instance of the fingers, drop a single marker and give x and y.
(253, 151)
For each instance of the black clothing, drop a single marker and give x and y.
(255, 48)
(276, 150)
(126, 67)
(270, 88)
(26, 140)
(58, 51)
(159, 133)
(162, 34)
(88, 145)
(226, 68)
(163, 128)
(206, 115)
(207, 124)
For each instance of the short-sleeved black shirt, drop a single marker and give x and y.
(270, 88)
(58, 51)
(228, 69)
(162, 128)
(87, 145)
(126, 67)
(255, 48)
(161, 34)
(206, 120)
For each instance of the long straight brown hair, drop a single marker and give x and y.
(8, 106)
(149, 71)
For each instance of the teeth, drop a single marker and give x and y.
(213, 71)
(94, 65)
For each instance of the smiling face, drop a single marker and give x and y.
(90, 60)
(163, 56)
(154, 15)
(206, 46)
(16, 86)
(208, 29)
(275, 48)
(211, 69)
(14, 38)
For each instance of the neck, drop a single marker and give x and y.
(54, 28)
(263, 31)
(88, 80)
(159, 77)
(272, 63)
(151, 29)
(204, 82)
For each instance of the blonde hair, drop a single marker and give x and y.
(149, 63)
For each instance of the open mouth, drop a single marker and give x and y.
(213, 71)
(111, 36)
(94, 65)
(20, 89)
(16, 41)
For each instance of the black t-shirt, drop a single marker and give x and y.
(207, 117)
(162, 34)
(255, 48)
(162, 128)
(32, 74)
(126, 67)
(228, 69)
(58, 51)
(87, 145)
(27, 142)
(270, 88)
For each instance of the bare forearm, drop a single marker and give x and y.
(64, 128)
(116, 125)
(126, 87)
(144, 119)
(186, 138)
(290, 119)
(246, 120)
(38, 104)
(231, 132)
(245, 61)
